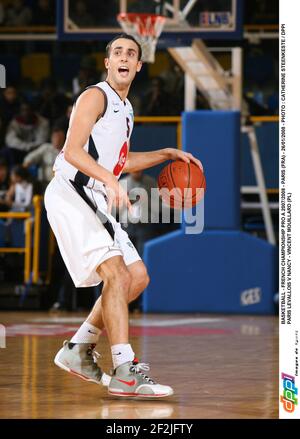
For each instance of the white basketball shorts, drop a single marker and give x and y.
(86, 233)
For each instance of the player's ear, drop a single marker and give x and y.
(139, 66)
(106, 62)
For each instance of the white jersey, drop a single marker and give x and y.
(23, 195)
(108, 141)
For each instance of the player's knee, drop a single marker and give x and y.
(126, 280)
(117, 276)
(141, 280)
(121, 278)
(146, 281)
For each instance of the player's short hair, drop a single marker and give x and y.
(127, 37)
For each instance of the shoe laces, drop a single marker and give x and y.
(96, 356)
(138, 367)
(91, 351)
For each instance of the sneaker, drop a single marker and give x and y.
(128, 380)
(80, 359)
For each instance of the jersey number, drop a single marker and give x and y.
(128, 127)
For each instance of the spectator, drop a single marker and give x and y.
(156, 101)
(18, 14)
(45, 155)
(9, 108)
(87, 75)
(4, 184)
(25, 132)
(20, 192)
(51, 104)
(80, 15)
(44, 13)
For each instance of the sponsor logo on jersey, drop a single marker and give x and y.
(121, 161)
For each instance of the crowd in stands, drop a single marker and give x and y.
(19, 14)
(32, 134)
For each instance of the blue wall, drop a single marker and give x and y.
(221, 270)
(147, 137)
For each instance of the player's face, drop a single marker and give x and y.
(123, 64)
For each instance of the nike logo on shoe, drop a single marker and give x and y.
(116, 111)
(91, 332)
(119, 353)
(128, 383)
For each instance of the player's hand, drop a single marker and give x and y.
(178, 154)
(117, 196)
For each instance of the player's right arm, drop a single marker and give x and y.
(89, 107)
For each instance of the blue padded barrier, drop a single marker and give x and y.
(216, 271)
(222, 269)
(214, 137)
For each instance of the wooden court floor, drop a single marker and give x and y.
(219, 366)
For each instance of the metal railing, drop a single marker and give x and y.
(177, 120)
(31, 247)
(26, 216)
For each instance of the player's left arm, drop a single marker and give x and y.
(137, 161)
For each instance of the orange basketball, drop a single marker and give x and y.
(181, 184)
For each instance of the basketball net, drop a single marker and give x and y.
(146, 28)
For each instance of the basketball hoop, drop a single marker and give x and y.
(146, 28)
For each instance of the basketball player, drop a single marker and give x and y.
(92, 243)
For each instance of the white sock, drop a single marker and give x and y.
(121, 353)
(87, 333)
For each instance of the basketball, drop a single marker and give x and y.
(181, 184)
